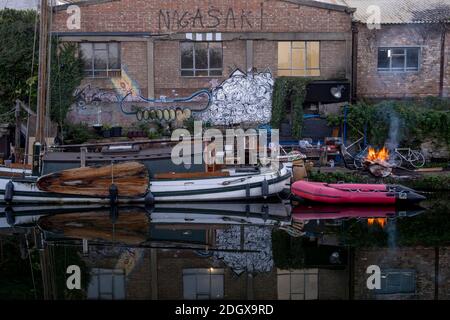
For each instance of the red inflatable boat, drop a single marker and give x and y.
(380, 194)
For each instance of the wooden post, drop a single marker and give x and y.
(83, 157)
(42, 74)
(17, 134)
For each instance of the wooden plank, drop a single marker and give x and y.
(191, 175)
(430, 170)
(131, 179)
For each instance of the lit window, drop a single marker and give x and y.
(203, 284)
(201, 59)
(299, 58)
(101, 59)
(398, 59)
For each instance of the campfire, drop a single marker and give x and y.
(379, 221)
(377, 162)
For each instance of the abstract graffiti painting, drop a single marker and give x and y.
(241, 98)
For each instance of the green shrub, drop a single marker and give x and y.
(291, 92)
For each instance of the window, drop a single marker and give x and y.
(201, 59)
(397, 281)
(101, 59)
(107, 284)
(299, 58)
(398, 59)
(203, 284)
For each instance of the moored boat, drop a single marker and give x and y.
(83, 186)
(379, 194)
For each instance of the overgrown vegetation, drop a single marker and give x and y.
(288, 252)
(289, 92)
(17, 79)
(417, 121)
(66, 75)
(19, 66)
(77, 133)
(425, 183)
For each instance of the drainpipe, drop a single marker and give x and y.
(442, 71)
(354, 61)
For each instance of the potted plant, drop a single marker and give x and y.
(98, 127)
(116, 131)
(106, 131)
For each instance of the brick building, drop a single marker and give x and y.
(172, 49)
(401, 48)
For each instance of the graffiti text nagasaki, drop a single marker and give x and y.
(209, 18)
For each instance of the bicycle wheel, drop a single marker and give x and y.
(417, 160)
(396, 159)
(358, 162)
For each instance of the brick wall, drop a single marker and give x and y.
(168, 79)
(374, 84)
(213, 15)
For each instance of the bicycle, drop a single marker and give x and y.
(415, 158)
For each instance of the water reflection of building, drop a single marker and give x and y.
(407, 273)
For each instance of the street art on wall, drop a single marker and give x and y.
(123, 87)
(241, 98)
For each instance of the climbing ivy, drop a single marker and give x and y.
(289, 91)
(417, 120)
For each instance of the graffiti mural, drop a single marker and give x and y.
(123, 87)
(241, 98)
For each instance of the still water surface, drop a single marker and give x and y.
(226, 251)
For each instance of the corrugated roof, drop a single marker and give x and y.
(402, 11)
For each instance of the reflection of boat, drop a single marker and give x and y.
(329, 212)
(130, 227)
(221, 213)
(164, 222)
(83, 186)
(379, 194)
(28, 215)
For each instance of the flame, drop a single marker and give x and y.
(379, 221)
(382, 155)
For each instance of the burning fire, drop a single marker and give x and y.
(380, 221)
(382, 155)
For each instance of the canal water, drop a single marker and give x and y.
(226, 251)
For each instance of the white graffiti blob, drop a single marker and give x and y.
(241, 98)
(256, 238)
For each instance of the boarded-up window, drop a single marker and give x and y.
(299, 58)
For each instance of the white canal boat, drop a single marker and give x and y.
(225, 185)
